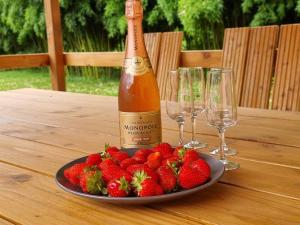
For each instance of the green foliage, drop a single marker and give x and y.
(21, 21)
(201, 20)
(270, 12)
(298, 7)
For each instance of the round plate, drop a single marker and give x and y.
(217, 170)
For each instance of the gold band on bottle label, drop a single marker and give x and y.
(140, 129)
(137, 66)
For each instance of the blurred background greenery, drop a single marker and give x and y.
(100, 25)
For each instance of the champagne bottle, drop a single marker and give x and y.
(139, 101)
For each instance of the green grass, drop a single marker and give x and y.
(39, 78)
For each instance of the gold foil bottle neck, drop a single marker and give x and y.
(134, 9)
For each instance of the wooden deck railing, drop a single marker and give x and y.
(204, 58)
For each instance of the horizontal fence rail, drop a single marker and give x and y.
(99, 59)
(24, 61)
(204, 58)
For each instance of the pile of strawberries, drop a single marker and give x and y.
(148, 172)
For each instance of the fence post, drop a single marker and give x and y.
(55, 44)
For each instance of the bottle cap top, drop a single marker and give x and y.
(134, 9)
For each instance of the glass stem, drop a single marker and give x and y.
(180, 125)
(222, 143)
(194, 116)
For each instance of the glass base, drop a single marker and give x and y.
(227, 151)
(230, 165)
(195, 145)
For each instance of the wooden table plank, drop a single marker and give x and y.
(237, 207)
(4, 222)
(267, 130)
(31, 198)
(85, 100)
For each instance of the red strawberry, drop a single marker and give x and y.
(93, 159)
(132, 169)
(118, 188)
(119, 156)
(127, 162)
(190, 156)
(73, 173)
(193, 174)
(159, 190)
(115, 172)
(105, 164)
(202, 167)
(91, 181)
(167, 178)
(143, 152)
(140, 158)
(144, 185)
(148, 188)
(179, 152)
(111, 149)
(165, 150)
(154, 160)
(173, 161)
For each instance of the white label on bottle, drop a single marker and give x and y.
(140, 129)
(137, 66)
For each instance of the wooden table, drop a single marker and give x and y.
(42, 130)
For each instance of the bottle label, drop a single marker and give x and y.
(137, 66)
(140, 129)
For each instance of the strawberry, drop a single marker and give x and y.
(140, 158)
(202, 167)
(173, 161)
(143, 152)
(119, 156)
(148, 188)
(115, 172)
(132, 169)
(127, 162)
(118, 188)
(165, 150)
(73, 172)
(154, 160)
(143, 185)
(111, 149)
(179, 152)
(91, 181)
(190, 156)
(193, 174)
(105, 164)
(167, 178)
(93, 159)
(159, 190)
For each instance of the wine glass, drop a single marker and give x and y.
(198, 103)
(227, 151)
(179, 98)
(221, 107)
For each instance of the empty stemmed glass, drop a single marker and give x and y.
(221, 107)
(197, 83)
(179, 98)
(227, 151)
